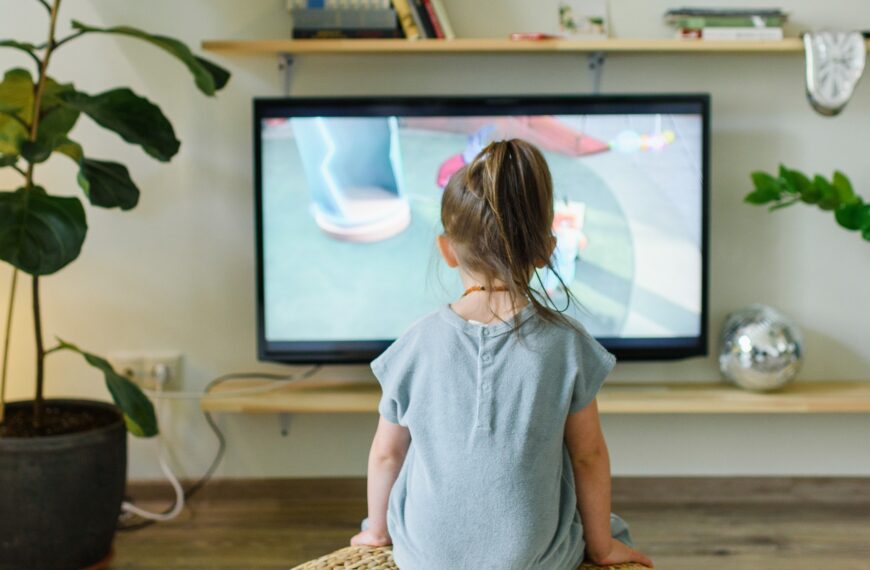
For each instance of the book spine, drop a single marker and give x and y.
(742, 33)
(441, 13)
(433, 17)
(403, 11)
(417, 14)
(426, 18)
(327, 34)
(344, 18)
(699, 22)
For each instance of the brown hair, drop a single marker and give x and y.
(497, 212)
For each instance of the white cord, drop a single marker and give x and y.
(167, 472)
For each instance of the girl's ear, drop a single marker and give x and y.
(446, 250)
(543, 263)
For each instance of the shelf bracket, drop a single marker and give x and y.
(285, 65)
(284, 424)
(595, 64)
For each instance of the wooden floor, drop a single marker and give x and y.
(683, 524)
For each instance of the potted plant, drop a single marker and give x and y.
(792, 186)
(63, 462)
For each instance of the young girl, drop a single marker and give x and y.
(488, 452)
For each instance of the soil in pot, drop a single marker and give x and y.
(56, 421)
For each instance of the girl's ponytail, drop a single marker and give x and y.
(498, 212)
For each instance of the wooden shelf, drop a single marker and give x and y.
(323, 396)
(485, 46)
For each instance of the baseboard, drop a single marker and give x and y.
(626, 490)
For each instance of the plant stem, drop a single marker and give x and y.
(38, 401)
(6, 339)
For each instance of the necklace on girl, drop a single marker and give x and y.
(475, 288)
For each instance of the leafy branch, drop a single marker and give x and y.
(41, 233)
(835, 195)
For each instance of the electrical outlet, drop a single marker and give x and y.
(149, 368)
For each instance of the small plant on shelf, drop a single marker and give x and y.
(41, 233)
(836, 195)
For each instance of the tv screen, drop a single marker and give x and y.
(348, 198)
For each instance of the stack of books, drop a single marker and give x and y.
(327, 19)
(727, 24)
(358, 19)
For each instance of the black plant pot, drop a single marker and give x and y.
(60, 496)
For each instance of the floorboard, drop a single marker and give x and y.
(264, 525)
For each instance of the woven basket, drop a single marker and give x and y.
(366, 558)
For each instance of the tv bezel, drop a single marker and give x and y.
(364, 351)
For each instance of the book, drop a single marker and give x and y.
(724, 12)
(443, 20)
(433, 17)
(699, 22)
(406, 19)
(337, 4)
(380, 19)
(421, 18)
(721, 34)
(345, 33)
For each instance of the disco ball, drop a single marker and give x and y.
(761, 349)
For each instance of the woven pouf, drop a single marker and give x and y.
(366, 558)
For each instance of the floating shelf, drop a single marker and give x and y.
(323, 396)
(485, 46)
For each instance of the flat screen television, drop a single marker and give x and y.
(347, 210)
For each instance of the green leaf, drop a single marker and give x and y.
(762, 196)
(7, 160)
(209, 77)
(786, 180)
(71, 149)
(828, 197)
(137, 408)
(134, 118)
(764, 181)
(852, 216)
(22, 46)
(34, 152)
(56, 118)
(108, 184)
(219, 75)
(845, 193)
(16, 101)
(40, 234)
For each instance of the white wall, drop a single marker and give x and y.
(177, 273)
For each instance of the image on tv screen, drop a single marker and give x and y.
(350, 210)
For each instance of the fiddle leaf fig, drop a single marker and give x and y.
(108, 184)
(137, 120)
(137, 408)
(40, 234)
(209, 78)
(837, 195)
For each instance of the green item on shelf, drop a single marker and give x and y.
(835, 195)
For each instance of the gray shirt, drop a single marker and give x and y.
(487, 482)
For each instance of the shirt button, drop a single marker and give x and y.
(484, 332)
(486, 358)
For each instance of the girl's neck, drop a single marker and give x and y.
(485, 306)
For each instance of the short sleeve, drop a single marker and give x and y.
(392, 370)
(594, 363)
